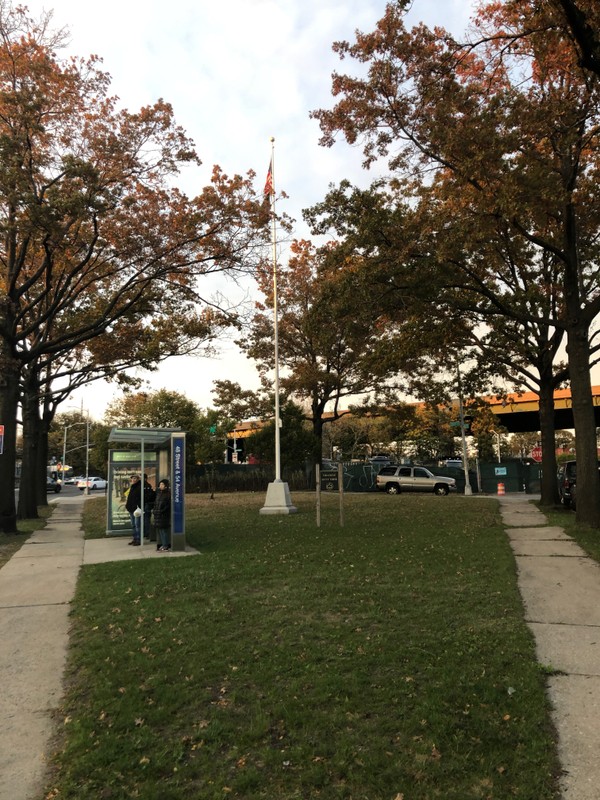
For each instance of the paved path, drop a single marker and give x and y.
(36, 589)
(560, 586)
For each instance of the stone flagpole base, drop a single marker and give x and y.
(278, 500)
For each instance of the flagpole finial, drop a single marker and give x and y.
(272, 139)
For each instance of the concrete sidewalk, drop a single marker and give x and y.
(560, 587)
(36, 588)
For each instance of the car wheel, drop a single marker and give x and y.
(441, 489)
(392, 488)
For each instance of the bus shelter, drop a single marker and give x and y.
(158, 453)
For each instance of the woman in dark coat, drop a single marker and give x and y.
(162, 516)
(134, 500)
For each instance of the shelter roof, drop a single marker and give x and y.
(153, 437)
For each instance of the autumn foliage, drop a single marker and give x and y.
(97, 242)
(493, 140)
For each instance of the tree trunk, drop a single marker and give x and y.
(317, 407)
(588, 480)
(549, 487)
(578, 350)
(29, 491)
(9, 400)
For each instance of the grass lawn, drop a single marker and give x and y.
(587, 538)
(386, 660)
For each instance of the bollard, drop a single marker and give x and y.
(501, 488)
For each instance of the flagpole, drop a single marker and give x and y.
(278, 500)
(275, 319)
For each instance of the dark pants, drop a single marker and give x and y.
(136, 525)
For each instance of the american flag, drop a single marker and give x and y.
(269, 188)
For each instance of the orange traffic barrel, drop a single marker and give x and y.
(501, 488)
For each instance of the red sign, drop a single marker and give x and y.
(536, 454)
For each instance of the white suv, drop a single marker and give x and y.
(394, 480)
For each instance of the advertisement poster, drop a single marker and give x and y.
(122, 465)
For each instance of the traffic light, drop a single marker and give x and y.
(468, 420)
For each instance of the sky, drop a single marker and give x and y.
(236, 73)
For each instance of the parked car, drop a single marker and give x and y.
(52, 485)
(394, 480)
(381, 460)
(566, 477)
(93, 483)
(567, 480)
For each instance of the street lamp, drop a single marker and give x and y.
(87, 455)
(87, 449)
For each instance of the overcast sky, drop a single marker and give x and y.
(236, 73)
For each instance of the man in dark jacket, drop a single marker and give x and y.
(149, 497)
(134, 501)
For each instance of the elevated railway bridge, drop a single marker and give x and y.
(520, 413)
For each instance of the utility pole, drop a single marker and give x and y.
(461, 411)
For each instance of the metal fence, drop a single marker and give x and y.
(220, 478)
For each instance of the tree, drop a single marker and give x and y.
(431, 437)
(93, 232)
(76, 442)
(500, 138)
(583, 20)
(297, 442)
(48, 381)
(433, 303)
(520, 445)
(213, 430)
(236, 404)
(160, 409)
(323, 336)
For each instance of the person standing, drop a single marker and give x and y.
(149, 495)
(162, 516)
(133, 503)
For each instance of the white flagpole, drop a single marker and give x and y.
(278, 500)
(275, 318)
